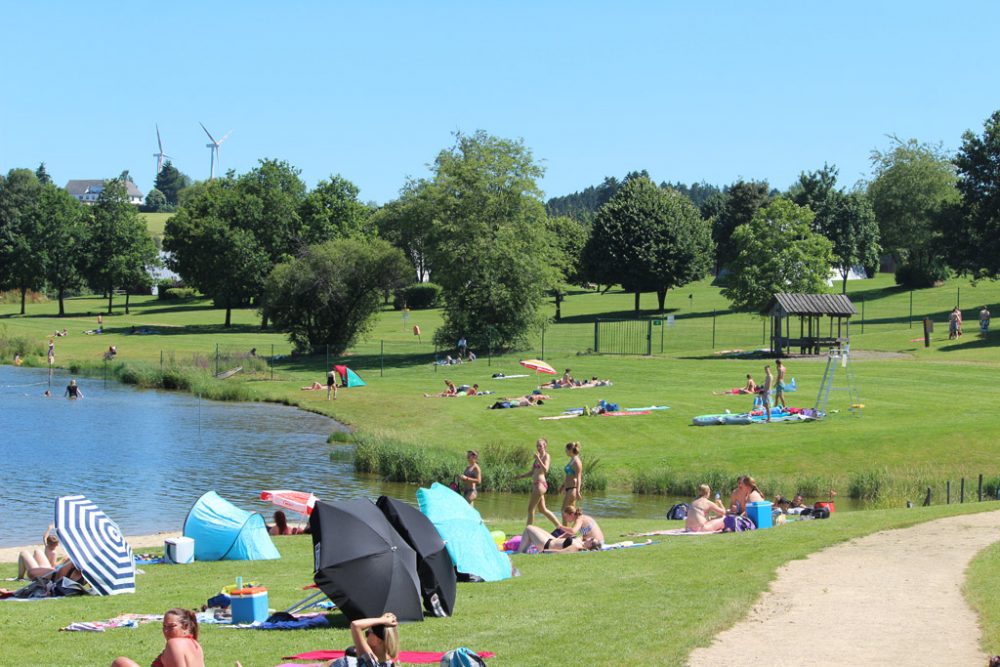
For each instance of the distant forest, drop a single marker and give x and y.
(583, 205)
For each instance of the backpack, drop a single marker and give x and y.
(678, 512)
(462, 657)
(735, 523)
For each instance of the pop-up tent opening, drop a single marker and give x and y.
(222, 531)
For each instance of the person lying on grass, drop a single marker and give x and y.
(535, 539)
(749, 388)
(520, 401)
(450, 390)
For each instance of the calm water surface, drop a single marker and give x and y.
(145, 456)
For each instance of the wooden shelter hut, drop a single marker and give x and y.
(810, 309)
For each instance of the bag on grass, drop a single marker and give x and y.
(462, 657)
(734, 523)
(678, 512)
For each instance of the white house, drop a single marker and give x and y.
(87, 191)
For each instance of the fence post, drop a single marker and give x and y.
(763, 331)
(270, 361)
(927, 500)
(948, 493)
(911, 309)
(597, 335)
(327, 367)
(161, 362)
(216, 358)
(958, 297)
(543, 344)
(961, 493)
(381, 358)
(980, 491)
(713, 328)
(862, 314)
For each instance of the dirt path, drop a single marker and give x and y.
(892, 598)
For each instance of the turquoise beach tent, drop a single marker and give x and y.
(348, 378)
(222, 531)
(465, 536)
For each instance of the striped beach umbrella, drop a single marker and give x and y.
(296, 501)
(95, 545)
(539, 366)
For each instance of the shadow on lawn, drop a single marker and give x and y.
(975, 341)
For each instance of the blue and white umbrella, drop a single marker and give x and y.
(95, 545)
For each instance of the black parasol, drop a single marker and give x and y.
(434, 565)
(362, 563)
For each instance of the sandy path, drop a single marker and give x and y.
(139, 542)
(891, 598)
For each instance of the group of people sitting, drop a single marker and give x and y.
(567, 381)
(452, 390)
(706, 515)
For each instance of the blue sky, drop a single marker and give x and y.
(689, 91)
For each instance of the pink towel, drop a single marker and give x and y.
(414, 657)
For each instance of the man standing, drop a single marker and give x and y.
(779, 387)
(984, 320)
(462, 346)
(765, 393)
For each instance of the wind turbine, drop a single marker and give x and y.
(215, 148)
(161, 155)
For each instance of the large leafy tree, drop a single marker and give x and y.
(332, 210)
(914, 183)
(408, 223)
(170, 181)
(743, 200)
(570, 237)
(65, 225)
(119, 249)
(777, 251)
(649, 239)
(973, 230)
(22, 254)
(330, 294)
(492, 250)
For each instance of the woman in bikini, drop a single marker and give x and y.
(471, 477)
(180, 628)
(746, 492)
(539, 485)
(583, 526)
(533, 536)
(573, 484)
(39, 560)
(700, 517)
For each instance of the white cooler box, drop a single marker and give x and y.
(178, 550)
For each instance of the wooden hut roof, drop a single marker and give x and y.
(812, 304)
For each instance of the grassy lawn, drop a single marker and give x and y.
(155, 222)
(982, 588)
(920, 404)
(585, 600)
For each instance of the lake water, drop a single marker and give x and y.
(145, 456)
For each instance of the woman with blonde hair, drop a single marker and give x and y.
(583, 526)
(573, 484)
(376, 640)
(539, 484)
(700, 517)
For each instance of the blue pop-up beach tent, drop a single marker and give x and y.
(348, 378)
(222, 531)
(465, 536)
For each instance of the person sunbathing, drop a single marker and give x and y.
(544, 542)
(749, 388)
(40, 561)
(450, 390)
(705, 515)
(315, 386)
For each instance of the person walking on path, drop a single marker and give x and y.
(765, 392)
(779, 386)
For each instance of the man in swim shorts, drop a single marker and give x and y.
(779, 387)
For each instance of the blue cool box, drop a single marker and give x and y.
(760, 513)
(249, 605)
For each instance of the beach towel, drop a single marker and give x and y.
(120, 621)
(647, 408)
(300, 622)
(627, 544)
(624, 413)
(415, 657)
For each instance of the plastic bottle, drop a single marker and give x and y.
(239, 583)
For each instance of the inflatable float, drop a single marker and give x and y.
(758, 416)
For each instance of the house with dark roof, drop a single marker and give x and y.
(87, 191)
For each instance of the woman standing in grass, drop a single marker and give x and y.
(471, 477)
(573, 484)
(539, 485)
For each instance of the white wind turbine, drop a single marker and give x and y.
(161, 155)
(215, 148)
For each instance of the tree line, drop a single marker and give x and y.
(318, 263)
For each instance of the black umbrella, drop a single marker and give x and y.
(434, 565)
(362, 563)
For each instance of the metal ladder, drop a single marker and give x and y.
(839, 358)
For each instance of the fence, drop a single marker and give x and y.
(631, 336)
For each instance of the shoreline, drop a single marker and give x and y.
(138, 543)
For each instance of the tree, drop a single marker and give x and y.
(743, 200)
(170, 182)
(583, 206)
(777, 251)
(408, 223)
(649, 239)
(155, 201)
(973, 234)
(570, 237)
(63, 238)
(331, 293)
(491, 251)
(22, 256)
(914, 183)
(332, 211)
(42, 175)
(848, 221)
(119, 250)
(813, 189)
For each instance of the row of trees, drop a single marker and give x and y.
(48, 239)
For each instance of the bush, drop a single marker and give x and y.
(923, 275)
(418, 296)
(175, 293)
